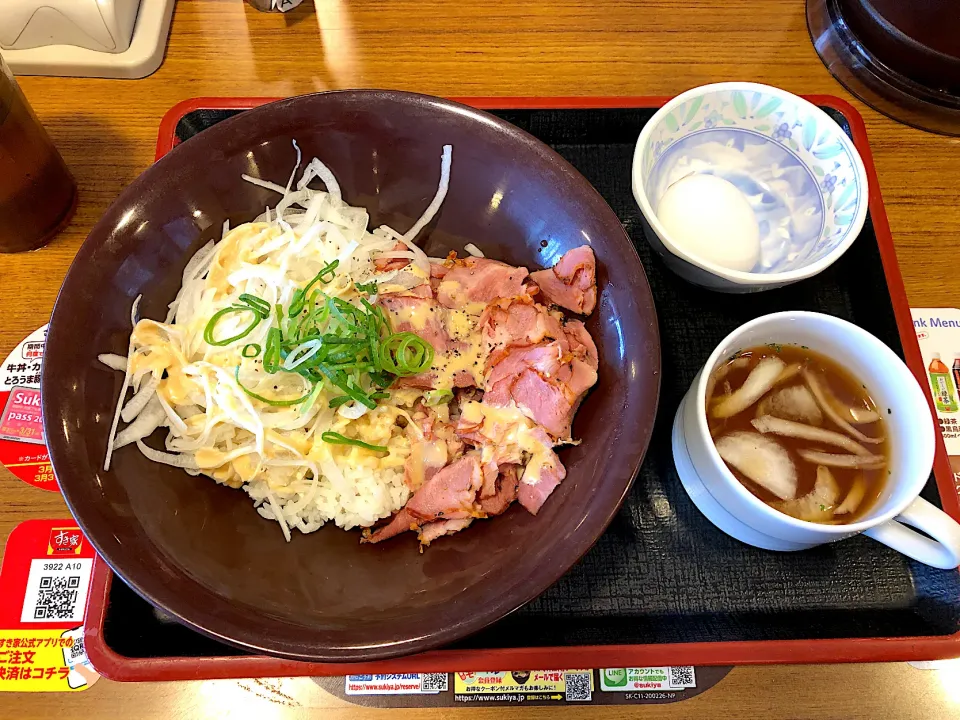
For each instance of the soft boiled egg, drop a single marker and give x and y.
(711, 220)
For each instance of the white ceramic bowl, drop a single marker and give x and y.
(798, 169)
(730, 506)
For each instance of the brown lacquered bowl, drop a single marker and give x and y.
(199, 550)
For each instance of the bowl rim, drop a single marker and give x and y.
(575, 543)
(740, 277)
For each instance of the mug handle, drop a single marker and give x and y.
(943, 552)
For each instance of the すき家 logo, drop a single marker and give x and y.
(65, 541)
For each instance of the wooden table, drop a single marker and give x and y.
(107, 129)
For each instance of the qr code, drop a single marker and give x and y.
(578, 686)
(57, 599)
(56, 590)
(433, 682)
(682, 676)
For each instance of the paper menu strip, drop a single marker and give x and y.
(938, 334)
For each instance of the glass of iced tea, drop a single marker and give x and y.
(37, 192)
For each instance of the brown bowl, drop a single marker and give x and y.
(199, 550)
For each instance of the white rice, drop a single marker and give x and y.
(370, 496)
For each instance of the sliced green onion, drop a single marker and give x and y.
(259, 305)
(406, 354)
(271, 353)
(314, 393)
(340, 309)
(302, 354)
(351, 366)
(328, 270)
(335, 438)
(384, 320)
(269, 401)
(350, 345)
(298, 302)
(340, 380)
(330, 339)
(380, 379)
(212, 324)
(438, 397)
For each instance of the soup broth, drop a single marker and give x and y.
(799, 432)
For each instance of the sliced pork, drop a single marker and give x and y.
(544, 358)
(518, 322)
(427, 458)
(479, 280)
(529, 368)
(541, 399)
(507, 485)
(581, 343)
(572, 282)
(423, 316)
(400, 523)
(431, 531)
(423, 290)
(491, 473)
(451, 493)
(545, 383)
(385, 264)
(537, 483)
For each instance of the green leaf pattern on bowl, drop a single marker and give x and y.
(815, 143)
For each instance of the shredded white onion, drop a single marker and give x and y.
(113, 361)
(208, 395)
(473, 250)
(295, 168)
(180, 461)
(264, 184)
(111, 440)
(176, 422)
(147, 421)
(352, 410)
(434, 206)
(139, 401)
(278, 516)
(319, 170)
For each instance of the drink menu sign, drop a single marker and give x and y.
(938, 334)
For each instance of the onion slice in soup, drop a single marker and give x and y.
(790, 371)
(778, 426)
(818, 504)
(853, 499)
(761, 459)
(860, 416)
(758, 383)
(721, 373)
(862, 462)
(824, 397)
(792, 403)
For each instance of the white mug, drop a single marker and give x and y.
(909, 425)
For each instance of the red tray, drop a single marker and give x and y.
(120, 667)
